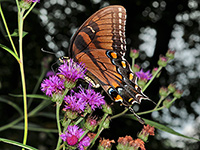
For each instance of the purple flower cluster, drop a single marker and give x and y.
(52, 85)
(78, 101)
(144, 75)
(72, 71)
(74, 103)
(69, 71)
(72, 135)
(95, 100)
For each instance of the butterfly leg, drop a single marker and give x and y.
(139, 119)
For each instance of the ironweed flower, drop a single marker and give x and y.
(146, 131)
(135, 144)
(71, 71)
(94, 99)
(52, 85)
(127, 142)
(72, 135)
(74, 104)
(144, 75)
(105, 144)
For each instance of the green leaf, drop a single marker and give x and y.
(37, 96)
(161, 127)
(10, 51)
(16, 33)
(12, 104)
(17, 144)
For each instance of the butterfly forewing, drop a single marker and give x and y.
(105, 29)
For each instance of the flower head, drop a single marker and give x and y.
(146, 131)
(105, 144)
(94, 99)
(74, 104)
(145, 76)
(138, 143)
(71, 71)
(52, 85)
(72, 135)
(127, 142)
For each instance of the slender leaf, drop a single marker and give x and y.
(17, 144)
(37, 96)
(34, 127)
(16, 33)
(12, 104)
(10, 51)
(161, 127)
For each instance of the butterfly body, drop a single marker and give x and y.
(100, 44)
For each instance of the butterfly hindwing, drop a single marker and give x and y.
(112, 72)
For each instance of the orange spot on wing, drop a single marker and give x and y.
(114, 55)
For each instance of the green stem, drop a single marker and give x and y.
(133, 62)
(150, 111)
(58, 125)
(8, 32)
(100, 129)
(58, 104)
(159, 102)
(120, 114)
(151, 79)
(86, 131)
(29, 10)
(21, 64)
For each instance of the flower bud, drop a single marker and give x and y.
(106, 123)
(162, 61)
(136, 68)
(107, 109)
(163, 91)
(170, 54)
(172, 87)
(178, 93)
(167, 103)
(153, 72)
(91, 124)
(134, 53)
(25, 4)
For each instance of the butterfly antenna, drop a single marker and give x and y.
(45, 51)
(138, 117)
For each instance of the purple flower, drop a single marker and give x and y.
(95, 100)
(72, 135)
(74, 104)
(52, 85)
(144, 75)
(50, 73)
(72, 71)
(32, 1)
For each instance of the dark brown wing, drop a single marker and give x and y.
(105, 29)
(114, 75)
(100, 44)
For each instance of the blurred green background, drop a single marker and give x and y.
(153, 26)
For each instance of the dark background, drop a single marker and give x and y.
(152, 26)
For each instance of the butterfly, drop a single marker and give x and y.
(100, 44)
